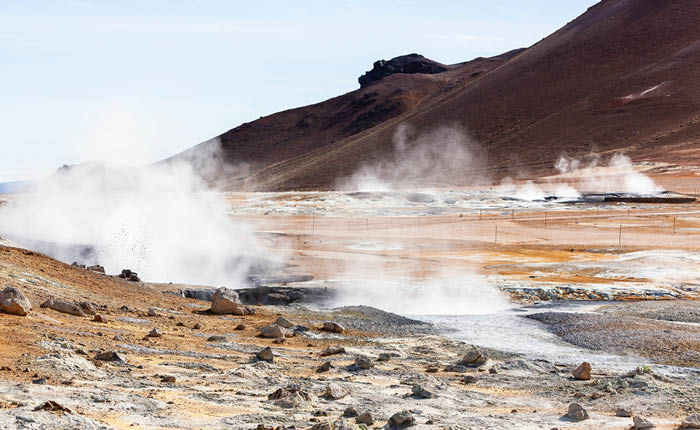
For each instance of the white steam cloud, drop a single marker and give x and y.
(161, 221)
(618, 175)
(438, 157)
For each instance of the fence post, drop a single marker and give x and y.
(619, 237)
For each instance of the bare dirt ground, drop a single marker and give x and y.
(642, 336)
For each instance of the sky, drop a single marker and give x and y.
(133, 82)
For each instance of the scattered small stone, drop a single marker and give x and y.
(53, 406)
(152, 312)
(39, 381)
(110, 356)
(432, 369)
(96, 268)
(266, 355)
(350, 412)
(99, 318)
(641, 423)
(493, 371)
(240, 327)
(362, 362)
(284, 322)
(364, 418)
(332, 350)
(279, 340)
(577, 413)
(623, 412)
(419, 392)
(197, 326)
(333, 327)
(180, 324)
(325, 367)
(597, 395)
(271, 331)
(474, 358)
(216, 338)
(401, 420)
(384, 356)
(168, 379)
(155, 333)
(470, 379)
(691, 422)
(335, 391)
(582, 372)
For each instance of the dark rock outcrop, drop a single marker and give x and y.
(411, 63)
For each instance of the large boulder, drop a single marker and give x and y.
(226, 301)
(64, 307)
(411, 63)
(12, 301)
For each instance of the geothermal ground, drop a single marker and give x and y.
(537, 286)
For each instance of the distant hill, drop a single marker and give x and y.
(623, 76)
(13, 187)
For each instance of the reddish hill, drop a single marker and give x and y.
(624, 76)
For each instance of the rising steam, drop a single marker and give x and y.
(438, 157)
(161, 221)
(577, 176)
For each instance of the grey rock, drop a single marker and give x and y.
(402, 419)
(335, 391)
(110, 356)
(365, 418)
(284, 322)
(226, 302)
(12, 301)
(333, 327)
(216, 338)
(419, 392)
(272, 331)
(470, 379)
(577, 413)
(623, 412)
(155, 333)
(691, 422)
(362, 362)
(332, 350)
(350, 412)
(325, 367)
(474, 358)
(641, 423)
(266, 355)
(63, 307)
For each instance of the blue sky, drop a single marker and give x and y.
(137, 81)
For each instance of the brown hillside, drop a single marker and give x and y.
(624, 76)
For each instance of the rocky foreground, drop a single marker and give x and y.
(83, 350)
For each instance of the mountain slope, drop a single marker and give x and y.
(624, 76)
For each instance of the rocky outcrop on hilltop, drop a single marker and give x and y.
(411, 63)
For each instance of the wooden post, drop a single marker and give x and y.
(619, 237)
